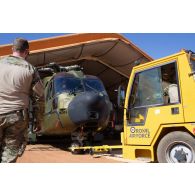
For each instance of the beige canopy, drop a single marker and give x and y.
(106, 55)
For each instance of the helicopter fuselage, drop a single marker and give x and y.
(74, 102)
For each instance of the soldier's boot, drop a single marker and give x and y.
(9, 155)
(22, 149)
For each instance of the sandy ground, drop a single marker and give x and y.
(45, 153)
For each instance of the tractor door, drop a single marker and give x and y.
(154, 100)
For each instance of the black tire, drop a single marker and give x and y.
(76, 144)
(176, 147)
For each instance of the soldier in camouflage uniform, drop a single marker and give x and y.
(18, 80)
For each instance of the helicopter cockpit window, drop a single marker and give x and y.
(68, 84)
(93, 85)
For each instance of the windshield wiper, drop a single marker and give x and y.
(91, 88)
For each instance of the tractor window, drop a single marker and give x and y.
(192, 60)
(170, 84)
(146, 89)
(192, 65)
(68, 84)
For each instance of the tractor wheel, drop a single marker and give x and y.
(176, 147)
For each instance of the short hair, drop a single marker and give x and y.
(20, 45)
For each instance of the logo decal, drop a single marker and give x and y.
(139, 133)
(132, 129)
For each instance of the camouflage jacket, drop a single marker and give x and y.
(19, 81)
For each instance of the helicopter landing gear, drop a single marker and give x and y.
(75, 151)
(78, 138)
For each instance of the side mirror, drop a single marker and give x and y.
(121, 97)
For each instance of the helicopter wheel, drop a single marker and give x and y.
(77, 151)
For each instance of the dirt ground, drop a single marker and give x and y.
(46, 153)
(54, 150)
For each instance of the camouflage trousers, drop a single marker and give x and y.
(13, 127)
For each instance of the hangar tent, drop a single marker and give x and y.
(106, 55)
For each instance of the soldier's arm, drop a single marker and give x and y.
(37, 85)
(37, 97)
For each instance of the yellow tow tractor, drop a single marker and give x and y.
(159, 111)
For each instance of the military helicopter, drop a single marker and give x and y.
(75, 104)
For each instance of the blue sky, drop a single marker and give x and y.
(154, 44)
(162, 44)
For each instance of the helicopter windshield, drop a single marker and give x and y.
(68, 84)
(93, 85)
(76, 85)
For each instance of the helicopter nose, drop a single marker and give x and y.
(89, 107)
